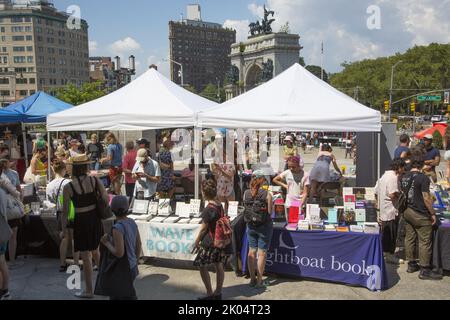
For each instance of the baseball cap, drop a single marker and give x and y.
(119, 205)
(258, 174)
(143, 141)
(142, 155)
(428, 137)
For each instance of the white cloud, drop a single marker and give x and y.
(257, 11)
(426, 20)
(241, 27)
(93, 47)
(342, 25)
(124, 46)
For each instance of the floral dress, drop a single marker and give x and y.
(225, 185)
(167, 183)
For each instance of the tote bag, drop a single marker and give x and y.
(14, 208)
(114, 276)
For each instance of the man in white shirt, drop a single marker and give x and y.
(147, 174)
(387, 191)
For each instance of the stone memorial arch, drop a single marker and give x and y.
(261, 57)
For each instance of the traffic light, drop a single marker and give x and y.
(413, 107)
(387, 105)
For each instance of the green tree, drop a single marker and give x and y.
(438, 140)
(423, 68)
(190, 88)
(213, 93)
(317, 71)
(76, 96)
(301, 61)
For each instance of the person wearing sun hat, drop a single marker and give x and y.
(289, 149)
(82, 191)
(74, 145)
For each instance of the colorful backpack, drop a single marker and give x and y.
(223, 234)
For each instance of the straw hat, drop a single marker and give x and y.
(75, 142)
(60, 152)
(79, 160)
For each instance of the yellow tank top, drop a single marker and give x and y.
(289, 152)
(41, 167)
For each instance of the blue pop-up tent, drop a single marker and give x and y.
(33, 109)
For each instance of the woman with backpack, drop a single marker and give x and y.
(258, 208)
(55, 196)
(208, 251)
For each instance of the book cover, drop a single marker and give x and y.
(360, 215)
(350, 199)
(332, 216)
(342, 229)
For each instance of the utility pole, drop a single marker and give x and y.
(218, 91)
(181, 70)
(321, 65)
(392, 88)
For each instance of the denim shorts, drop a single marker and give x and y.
(3, 248)
(260, 237)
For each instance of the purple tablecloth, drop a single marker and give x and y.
(350, 258)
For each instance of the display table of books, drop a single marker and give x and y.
(339, 244)
(170, 233)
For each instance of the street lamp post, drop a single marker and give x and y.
(392, 88)
(181, 67)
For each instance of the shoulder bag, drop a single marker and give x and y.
(114, 277)
(103, 209)
(14, 208)
(401, 204)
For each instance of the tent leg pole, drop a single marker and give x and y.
(49, 157)
(197, 162)
(24, 136)
(379, 157)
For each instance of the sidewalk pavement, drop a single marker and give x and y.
(39, 279)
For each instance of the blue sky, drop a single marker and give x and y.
(140, 27)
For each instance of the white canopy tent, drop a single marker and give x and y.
(150, 102)
(296, 100)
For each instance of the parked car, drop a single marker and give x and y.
(437, 119)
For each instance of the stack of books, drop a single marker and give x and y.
(342, 229)
(303, 225)
(357, 228)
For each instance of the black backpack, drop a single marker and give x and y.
(401, 204)
(256, 210)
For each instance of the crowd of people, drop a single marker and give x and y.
(76, 192)
(410, 225)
